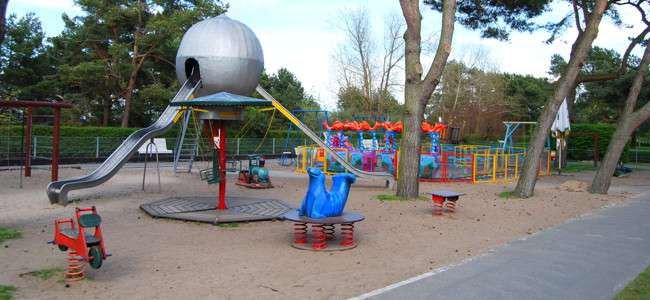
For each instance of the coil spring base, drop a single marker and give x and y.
(318, 237)
(451, 206)
(299, 233)
(347, 235)
(75, 270)
(323, 237)
(438, 207)
(329, 231)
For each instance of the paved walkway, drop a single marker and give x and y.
(592, 257)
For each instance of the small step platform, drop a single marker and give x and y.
(203, 209)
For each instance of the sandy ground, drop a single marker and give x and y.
(165, 259)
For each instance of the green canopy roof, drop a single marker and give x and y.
(223, 99)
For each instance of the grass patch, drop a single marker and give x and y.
(575, 167)
(507, 194)
(388, 197)
(8, 233)
(44, 274)
(6, 292)
(638, 289)
(391, 197)
(227, 225)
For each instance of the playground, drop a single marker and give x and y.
(336, 206)
(154, 258)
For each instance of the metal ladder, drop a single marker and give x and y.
(186, 144)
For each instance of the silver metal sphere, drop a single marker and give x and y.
(227, 52)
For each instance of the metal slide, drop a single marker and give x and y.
(57, 191)
(316, 138)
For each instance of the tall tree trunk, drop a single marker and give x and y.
(3, 19)
(409, 155)
(106, 116)
(128, 96)
(571, 101)
(417, 91)
(627, 123)
(128, 93)
(580, 50)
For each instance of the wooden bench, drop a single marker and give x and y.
(444, 199)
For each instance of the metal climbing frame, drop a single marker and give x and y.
(187, 142)
(511, 128)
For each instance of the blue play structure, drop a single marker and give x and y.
(389, 140)
(511, 128)
(375, 119)
(320, 203)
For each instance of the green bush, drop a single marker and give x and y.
(581, 141)
(78, 131)
(92, 131)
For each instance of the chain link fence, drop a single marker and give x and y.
(93, 149)
(84, 149)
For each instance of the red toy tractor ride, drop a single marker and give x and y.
(89, 246)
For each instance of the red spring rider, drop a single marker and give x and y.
(77, 238)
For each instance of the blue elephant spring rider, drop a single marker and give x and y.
(322, 210)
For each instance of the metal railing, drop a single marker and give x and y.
(98, 148)
(101, 147)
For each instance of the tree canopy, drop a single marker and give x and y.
(602, 101)
(115, 61)
(496, 19)
(24, 60)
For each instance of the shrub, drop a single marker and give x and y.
(78, 131)
(581, 141)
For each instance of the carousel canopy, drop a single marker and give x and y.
(223, 99)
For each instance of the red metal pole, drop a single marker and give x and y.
(217, 129)
(222, 166)
(56, 135)
(28, 143)
(443, 162)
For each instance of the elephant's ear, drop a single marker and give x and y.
(313, 172)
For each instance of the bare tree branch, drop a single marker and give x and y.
(624, 62)
(576, 14)
(444, 49)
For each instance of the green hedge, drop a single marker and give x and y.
(74, 131)
(90, 131)
(581, 141)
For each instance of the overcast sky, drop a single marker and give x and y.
(300, 36)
